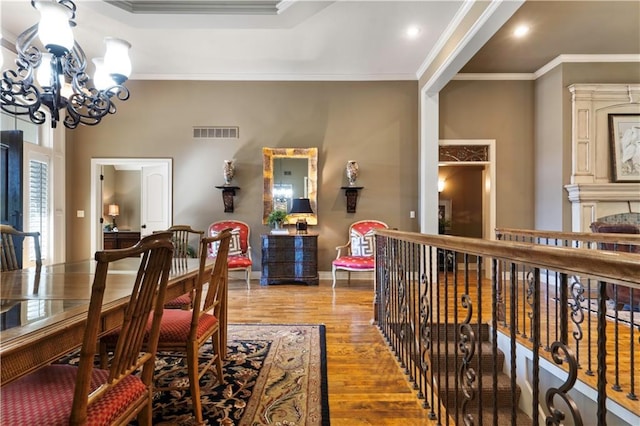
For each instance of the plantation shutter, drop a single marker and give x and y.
(39, 205)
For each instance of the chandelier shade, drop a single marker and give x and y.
(51, 72)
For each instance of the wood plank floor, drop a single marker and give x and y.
(366, 384)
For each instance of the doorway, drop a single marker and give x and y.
(156, 194)
(481, 153)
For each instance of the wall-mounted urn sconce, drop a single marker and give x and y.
(352, 171)
(351, 192)
(228, 192)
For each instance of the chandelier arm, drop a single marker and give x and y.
(89, 109)
(25, 47)
(69, 5)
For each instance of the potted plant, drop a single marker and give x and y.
(276, 218)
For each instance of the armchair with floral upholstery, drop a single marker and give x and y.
(357, 255)
(239, 258)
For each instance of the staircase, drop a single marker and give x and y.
(446, 361)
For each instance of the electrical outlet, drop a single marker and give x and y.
(412, 214)
(80, 213)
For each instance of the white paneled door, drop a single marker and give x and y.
(155, 207)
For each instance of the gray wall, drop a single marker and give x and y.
(550, 173)
(500, 110)
(374, 123)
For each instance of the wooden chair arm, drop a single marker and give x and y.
(345, 247)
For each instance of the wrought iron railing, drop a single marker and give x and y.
(482, 327)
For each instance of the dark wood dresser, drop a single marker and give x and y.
(289, 259)
(120, 239)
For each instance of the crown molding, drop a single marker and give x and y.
(494, 76)
(276, 77)
(222, 7)
(560, 59)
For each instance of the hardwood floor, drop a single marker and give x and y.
(366, 384)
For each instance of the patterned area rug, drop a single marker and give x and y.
(275, 374)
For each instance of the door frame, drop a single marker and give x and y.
(96, 190)
(489, 176)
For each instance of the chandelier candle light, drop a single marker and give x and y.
(53, 73)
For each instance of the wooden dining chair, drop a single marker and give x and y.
(185, 332)
(186, 244)
(186, 241)
(65, 394)
(9, 259)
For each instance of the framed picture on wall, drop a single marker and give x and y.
(624, 141)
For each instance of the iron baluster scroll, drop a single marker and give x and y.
(53, 73)
(561, 354)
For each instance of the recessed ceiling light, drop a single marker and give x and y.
(521, 31)
(413, 31)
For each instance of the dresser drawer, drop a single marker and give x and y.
(289, 259)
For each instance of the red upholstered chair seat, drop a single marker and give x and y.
(180, 302)
(355, 262)
(176, 324)
(238, 262)
(51, 389)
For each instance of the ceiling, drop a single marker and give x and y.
(334, 40)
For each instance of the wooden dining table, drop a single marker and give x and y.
(43, 311)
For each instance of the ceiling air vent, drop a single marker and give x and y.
(216, 132)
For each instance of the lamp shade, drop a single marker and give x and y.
(114, 210)
(101, 79)
(54, 29)
(116, 59)
(301, 206)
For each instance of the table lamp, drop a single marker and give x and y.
(300, 208)
(114, 210)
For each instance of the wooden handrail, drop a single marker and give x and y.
(613, 267)
(571, 236)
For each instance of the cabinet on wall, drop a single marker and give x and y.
(120, 239)
(289, 259)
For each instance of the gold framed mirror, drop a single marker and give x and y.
(289, 173)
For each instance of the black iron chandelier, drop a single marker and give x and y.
(54, 75)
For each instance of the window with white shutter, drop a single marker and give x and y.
(38, 205)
